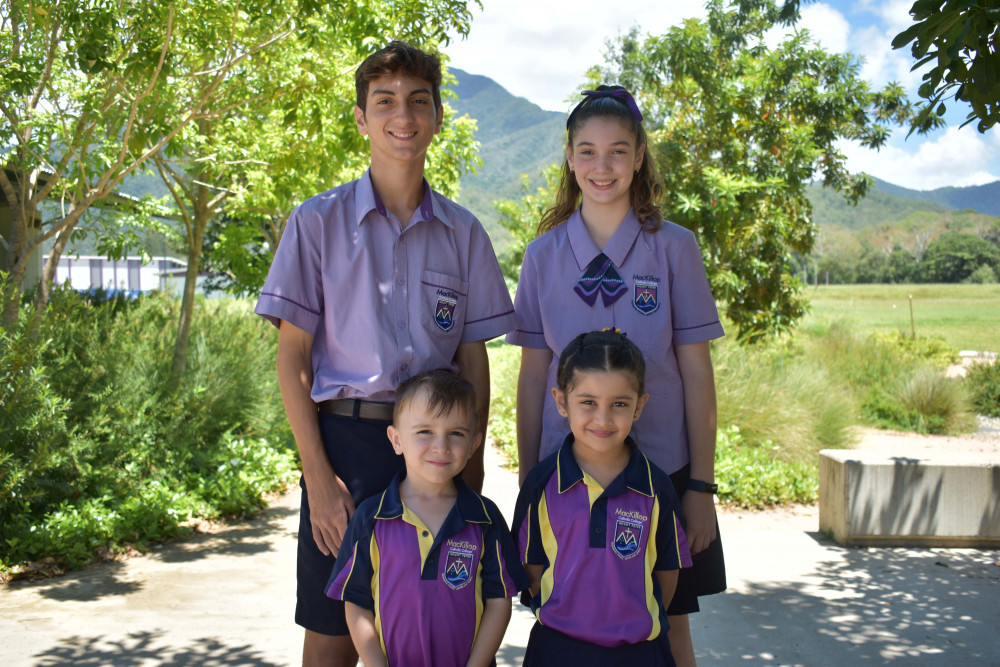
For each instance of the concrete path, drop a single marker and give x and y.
(794, 598)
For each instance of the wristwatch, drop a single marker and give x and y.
(703, 487)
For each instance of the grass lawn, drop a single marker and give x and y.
(966, 316)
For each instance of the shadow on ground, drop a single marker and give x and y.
(143, 648)
(110, 579)
(863, 606)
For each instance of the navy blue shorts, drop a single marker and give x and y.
(362, 457)
(708, 575)
(551, 647)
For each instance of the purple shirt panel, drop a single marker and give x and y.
(426, 614)
(383, 304)
(668, 303)
(587, 547)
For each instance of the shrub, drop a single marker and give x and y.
(780, 393)
(758, 476)
(142, 453)
(983, 383)
(505, 363)
(984, 275)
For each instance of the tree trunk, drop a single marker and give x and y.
(199, 220)
(49, 271)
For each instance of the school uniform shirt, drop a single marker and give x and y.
(667, 302)
(599, 547)
(383, 304)
(427, 592)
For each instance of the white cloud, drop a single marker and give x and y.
(827, 26)
(542, 50)
(895, 14)
(959, 157)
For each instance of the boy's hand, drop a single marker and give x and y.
(699, 520)
(330, 510)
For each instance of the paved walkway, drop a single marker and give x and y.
(794, 598)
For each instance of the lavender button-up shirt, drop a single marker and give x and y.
(383, 304)
(668, 303)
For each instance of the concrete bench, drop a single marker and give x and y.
(947, 499)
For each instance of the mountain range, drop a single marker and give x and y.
(518, 137)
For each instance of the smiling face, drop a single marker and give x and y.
(604, 158)
(600, 407)
(400, 118)
(435, 445)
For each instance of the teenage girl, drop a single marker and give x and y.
(605, 258)
(598, 526)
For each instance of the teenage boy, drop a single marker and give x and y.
(373, 282)
(428, 567)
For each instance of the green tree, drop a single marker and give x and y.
(80, 82)
(953, 257)
(521, 218)
(959, 39)
(738, 130)
(280, 127)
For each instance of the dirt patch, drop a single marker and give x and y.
(985, 439)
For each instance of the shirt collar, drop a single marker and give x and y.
(584, 248)
(470, 504)
(367, 200)
(637, 475)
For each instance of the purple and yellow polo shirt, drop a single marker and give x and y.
(599, 547)
(383, 303)
(668, 302)
(427, 591)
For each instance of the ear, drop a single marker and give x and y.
(393, 436)
(359, 118)
(476, 441)
(560, 397)
(569, 157)
(640, 404)
(639, 156)
(440, 119)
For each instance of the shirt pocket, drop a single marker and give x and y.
(444, 301)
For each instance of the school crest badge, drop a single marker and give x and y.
(644, 297)
(628, 536)
(457, 570)
(444, 313)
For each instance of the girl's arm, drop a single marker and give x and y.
(361, 623)
(695, 363)
(530, 401)
(496, 616)
(668, 584)
(534, 573)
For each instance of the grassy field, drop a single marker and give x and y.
(966, 316)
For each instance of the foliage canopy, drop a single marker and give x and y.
(739, 129)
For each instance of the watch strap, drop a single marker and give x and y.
(702, 487)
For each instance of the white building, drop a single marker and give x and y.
(130, 275)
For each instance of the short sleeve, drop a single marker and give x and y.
(672, 550)
(693, 311)
(293, 290)
(489, 312)
(528, 330)
(527, 531)
(503, 575)
(351, 579)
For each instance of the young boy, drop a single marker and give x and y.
(373, 282)
(428, 567)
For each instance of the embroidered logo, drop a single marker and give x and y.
(644, 297)
(457, 569)
(444, 313)
(628, 534)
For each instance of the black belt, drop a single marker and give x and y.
(358, 409)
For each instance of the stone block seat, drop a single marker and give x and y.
(941, 499)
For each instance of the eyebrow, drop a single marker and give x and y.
(383, 91)
(591, 143)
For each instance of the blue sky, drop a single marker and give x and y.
(540, 50)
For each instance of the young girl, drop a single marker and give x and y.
(598, 525)
(605, 258)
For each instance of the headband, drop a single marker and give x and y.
(618, 93)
